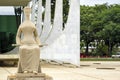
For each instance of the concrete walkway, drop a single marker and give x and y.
(87, 71)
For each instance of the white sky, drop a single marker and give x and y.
(93, 2)
(6, 10)
(10, 10)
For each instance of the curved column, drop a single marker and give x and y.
(33, 11)
(72, 32)
(66, 45)
(39, 18)
(47, 22)
(58, 21)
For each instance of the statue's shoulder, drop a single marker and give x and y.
(27, 23)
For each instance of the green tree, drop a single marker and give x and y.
(86, 18)
(100, 23)
(111, 31)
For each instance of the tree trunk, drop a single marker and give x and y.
(86, 51)
(110, 47)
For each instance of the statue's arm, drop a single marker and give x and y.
(18, 36)
(37, 37)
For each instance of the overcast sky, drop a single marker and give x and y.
(10, 10)
(93, 2)
(7, 10)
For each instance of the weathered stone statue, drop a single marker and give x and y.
(29, 60)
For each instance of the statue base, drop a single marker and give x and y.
(29, 76)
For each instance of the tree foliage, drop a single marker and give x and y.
(100, 23)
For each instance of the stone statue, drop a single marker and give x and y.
(29, 60)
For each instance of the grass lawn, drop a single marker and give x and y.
(99, 59)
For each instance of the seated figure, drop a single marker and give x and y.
(29, 51)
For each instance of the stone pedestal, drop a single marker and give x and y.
(29, 76)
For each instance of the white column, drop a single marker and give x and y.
(72, 31)
(65, 45)
(47, 22)
(58, 21)
(33, 11)
(39, 18)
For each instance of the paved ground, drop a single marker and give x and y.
(87, 71)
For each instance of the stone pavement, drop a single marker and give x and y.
(87, 71)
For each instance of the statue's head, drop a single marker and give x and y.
(27, 10)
